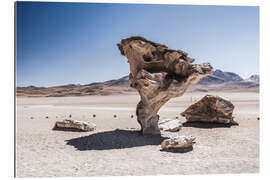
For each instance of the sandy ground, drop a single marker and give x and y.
(116, 148)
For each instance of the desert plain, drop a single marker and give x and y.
(116, 148)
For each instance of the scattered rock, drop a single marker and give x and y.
(210, 109)
(159, 74)
(170, 125)
(178, 143)
(74, 125)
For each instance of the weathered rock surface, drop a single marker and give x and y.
(211, 109)
(74, 125)
(172, 125)
(178, 143)
(159, 74)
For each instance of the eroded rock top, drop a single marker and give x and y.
(154, 57)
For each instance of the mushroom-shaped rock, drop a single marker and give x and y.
(211, 109)
(178, 143)
(159, 74)
(74, 125)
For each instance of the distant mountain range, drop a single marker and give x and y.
(219, 77)
(254, 78)
(218, 81)
(227, 81)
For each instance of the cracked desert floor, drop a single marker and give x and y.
(116, 148)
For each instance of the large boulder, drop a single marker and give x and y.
(178, 143)
(159, 74)
(72, 125)
(172, 125)
(210, 109)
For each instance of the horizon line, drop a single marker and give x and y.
(79, 84)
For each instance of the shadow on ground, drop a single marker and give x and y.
(67, 129)
(182, 150)
(117, 139)
(206, 125)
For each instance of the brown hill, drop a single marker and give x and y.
(219, 81)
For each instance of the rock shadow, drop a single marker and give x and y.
(117, 139)
(206, 125)
(67, 129)
(182, 150)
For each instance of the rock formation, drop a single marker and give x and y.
(210, 109)
(172, 125)
(159, 74)
(74, 125)
(178, 143)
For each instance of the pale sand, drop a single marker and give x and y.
(42, 152)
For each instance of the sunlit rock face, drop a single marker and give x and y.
(210, 109)
(178, 143)
(159, 74)
(73, 125)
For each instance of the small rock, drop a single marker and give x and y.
(70, 116)
(114, 116)
(31, 117)
(178, 143)
(258, 118)
(74, 125)
(131, 116)
(94, 115)
(47, 117)
(170, 125)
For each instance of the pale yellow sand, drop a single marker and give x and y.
(41, 152)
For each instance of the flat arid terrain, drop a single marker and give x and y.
(117, 148)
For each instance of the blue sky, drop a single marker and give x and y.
(70, 43)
